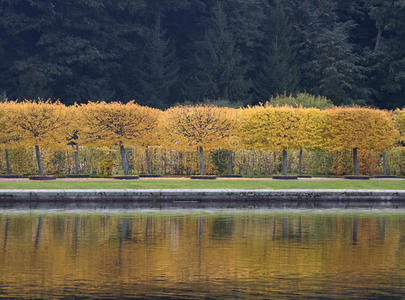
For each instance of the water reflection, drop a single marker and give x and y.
(6, 233)
(355, 228)
(38, 234)
(212, 254)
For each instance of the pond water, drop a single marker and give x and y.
(202, 254)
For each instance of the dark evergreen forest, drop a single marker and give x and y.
(164, 52)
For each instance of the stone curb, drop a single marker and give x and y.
(204, 198)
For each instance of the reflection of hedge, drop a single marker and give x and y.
(246, 162)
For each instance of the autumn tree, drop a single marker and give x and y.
(400, 121)
(205, 127)
(312, 126)
(356, 128)
(39, 124)
(74, 137)
(309, 118)
(154, 138)
(8, 136)
(271, 128)
(117, 124)
(234, 142)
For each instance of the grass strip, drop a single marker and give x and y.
(217, 184)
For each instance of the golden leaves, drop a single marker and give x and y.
(205, 126)
(270, 128)
(42, 123)
(361, 128)
(49, 124)
(115, 124)
(283, 128)
(9, 136)
(400, 121)
(312, 128)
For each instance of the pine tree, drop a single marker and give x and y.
(328, 64)
(221, 70)
(277, 64)
(158, 71)
(386, 62)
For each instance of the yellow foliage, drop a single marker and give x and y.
(400, 120)
(74, 137)
(40, 123)
(312, 125)
(207, 126)
(155, 135)
(186, 128)
(360, 128)
(9, 137)
(270, 128)
(117, 124)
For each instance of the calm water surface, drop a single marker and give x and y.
(204, 254)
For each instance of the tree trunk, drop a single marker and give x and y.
(202, 166)
(124, 160)
(284, 162)
(355, 162)
(230, 162)
(39, 160)
(275, 162)
(384, 156)
(300, 164)
(148, 161)
(77, 160)
(8, 169)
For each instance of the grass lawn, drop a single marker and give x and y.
(217, 184)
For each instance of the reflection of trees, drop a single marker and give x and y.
(75, 234)
(221, 227)
(6, 233)
(58, 225)
(201, 231)
(299, 226)
(38, 232)
(284, 228)
(287, 228)
(125, 230)
(147, 225)
(384, 221)
(355, 229)
(126, 250)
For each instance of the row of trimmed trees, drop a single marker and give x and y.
(44, 124)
